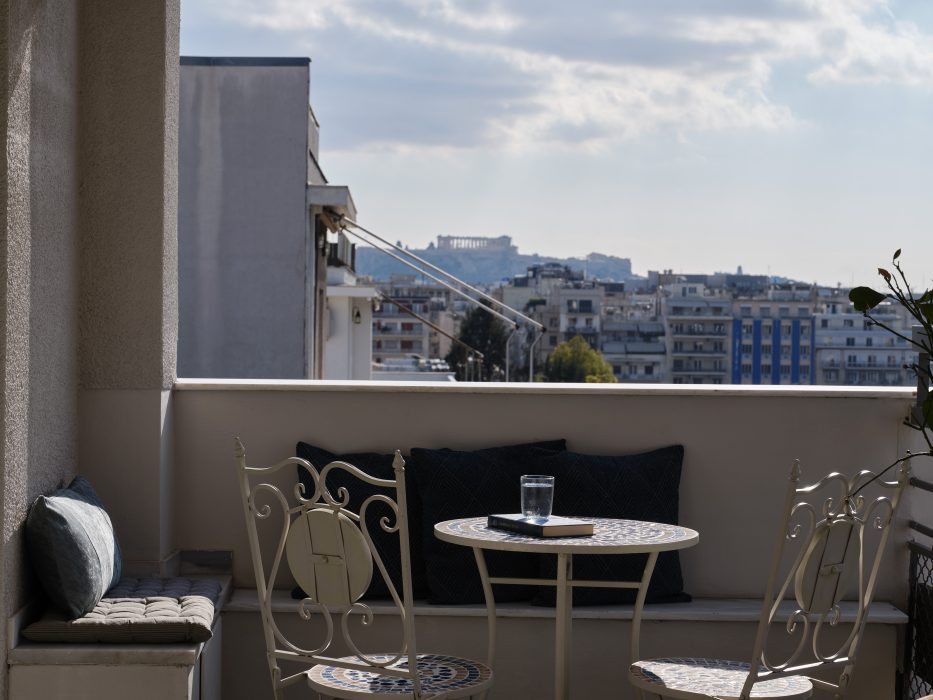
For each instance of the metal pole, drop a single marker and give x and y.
(421, 260)
(531, 356)
(441, 282)
(507, 353)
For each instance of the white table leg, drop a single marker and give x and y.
(636, 616)
(564, 622)
(490, 606)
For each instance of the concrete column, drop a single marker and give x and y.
(128, 316)
(38, 273)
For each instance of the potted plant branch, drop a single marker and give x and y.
(920, 309)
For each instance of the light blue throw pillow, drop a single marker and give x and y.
(72, 547)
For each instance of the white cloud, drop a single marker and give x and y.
(544, 73)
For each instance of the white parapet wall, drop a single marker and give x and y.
(739, 446)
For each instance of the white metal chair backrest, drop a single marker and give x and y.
(828, 522)
(330, 553)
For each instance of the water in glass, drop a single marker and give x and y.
(537, 496)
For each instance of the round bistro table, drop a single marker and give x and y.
(610, 536)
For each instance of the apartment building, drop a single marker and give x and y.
(699, 323)
(772, 336)
(852, 351)
(412, 318)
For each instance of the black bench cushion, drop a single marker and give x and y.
(455, 484)
(641, 486)
(386, 543)
(139, 611)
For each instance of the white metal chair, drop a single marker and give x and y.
(824, 538)
(330, 553)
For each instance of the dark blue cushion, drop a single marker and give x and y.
(387, 544)
(72, 547)
(454, 484)
(643, 486)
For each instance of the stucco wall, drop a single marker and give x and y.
(128, 143)
(128, 315)
(38, 274)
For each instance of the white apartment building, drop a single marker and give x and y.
(852, 351)
(699, 326)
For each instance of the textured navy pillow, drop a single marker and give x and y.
(387, 544)
(72, 547)
(454, 484)
(634, 487)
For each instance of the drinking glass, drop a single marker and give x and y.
(537, 495)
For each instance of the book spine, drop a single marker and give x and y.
(515, 526)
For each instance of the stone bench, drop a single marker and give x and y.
(724, 627)
(147, 638)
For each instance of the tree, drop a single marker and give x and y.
(484, 332)
(576, 361)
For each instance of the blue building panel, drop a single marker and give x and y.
(776, 351)
(795, 352)
(736, 351)
(756, 352)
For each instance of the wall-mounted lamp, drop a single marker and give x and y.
(357, 316)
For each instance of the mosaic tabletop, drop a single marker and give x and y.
(450, 675)
(610, 536)
(713, 677)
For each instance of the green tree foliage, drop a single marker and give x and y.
(486, 333)
(576, 361)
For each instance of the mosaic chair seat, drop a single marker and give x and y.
(829, 548)
(329, 551)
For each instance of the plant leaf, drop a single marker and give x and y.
(865, 298)
(927, 310)
(928, 411)
(897, 254)
(926, 297)
(884, 273)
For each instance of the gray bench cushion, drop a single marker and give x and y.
(139, 611)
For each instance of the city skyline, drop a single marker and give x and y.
(790, 138)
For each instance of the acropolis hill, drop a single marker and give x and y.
(487, 260)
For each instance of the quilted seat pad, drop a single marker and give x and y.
(139, 611)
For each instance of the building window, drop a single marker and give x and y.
(617, 369)
(784, 311)
(786, 329)
(892, 361)
(765, 349)
(868, 342)
(805, 331)
(747, 328)
(586, 306)
(852, 360)
(765, 311)
(588, 322)
(649, 370)
(766, 369)
(552, 341)
(746, 311)
(824, 323)
(848, 323)
(850, 342)
(746, 370)
(802, 311)
(747, 349)
(785, 371)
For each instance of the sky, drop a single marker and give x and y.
(788, 137)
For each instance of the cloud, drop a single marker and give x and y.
(532, 74)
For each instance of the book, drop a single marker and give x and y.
(554, 526)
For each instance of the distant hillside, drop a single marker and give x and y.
(490, 266)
